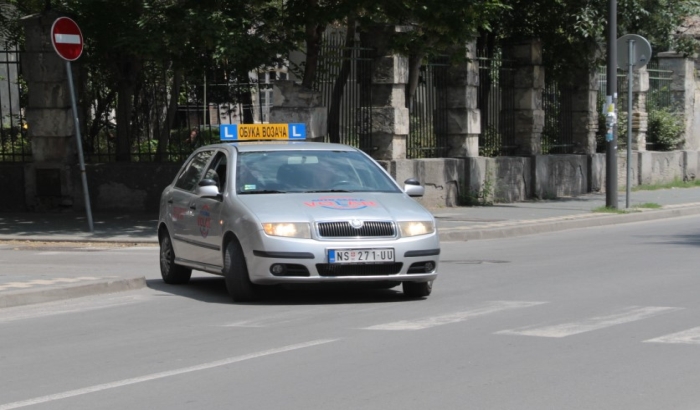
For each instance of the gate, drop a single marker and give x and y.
(14, 146)
(427, 136)
(344, 83)
(496, 102)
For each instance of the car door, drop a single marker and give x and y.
(183, 208)
(205, 230)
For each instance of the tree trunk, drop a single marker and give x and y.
(127, 70)
(313, 48)
(125, 97)
(340, 82)
(245, 98)
(414, 63)
(164, 135)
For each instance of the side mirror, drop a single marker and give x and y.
(208, 188)
(413, 188)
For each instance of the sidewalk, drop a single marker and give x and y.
(454, 224)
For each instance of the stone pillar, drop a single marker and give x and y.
(463, 116)
(640, 118)
(682, 93)
(293, 103)
(388, 84)
(49, 117)
(584, 112)
(529, 86)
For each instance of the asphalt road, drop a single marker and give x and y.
(599, 318)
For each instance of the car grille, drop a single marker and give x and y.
(331, 269)
(368, 230)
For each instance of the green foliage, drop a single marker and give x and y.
(480, 197)
(666, 130)
(490, 142)
(14, 145)
(676, 183)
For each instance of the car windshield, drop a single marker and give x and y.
(309, 171)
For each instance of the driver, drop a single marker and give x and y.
(326, 175)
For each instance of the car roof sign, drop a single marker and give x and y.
(262, 132)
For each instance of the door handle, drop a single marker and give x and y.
(193, 207)
(170, 201)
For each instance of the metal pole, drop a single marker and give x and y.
(79, 139)
(630, 83)
(611, 138)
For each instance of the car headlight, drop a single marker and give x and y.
(415, 228)
(290, 230)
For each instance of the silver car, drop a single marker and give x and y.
(269, 213)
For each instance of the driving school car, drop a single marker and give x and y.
(266, 207)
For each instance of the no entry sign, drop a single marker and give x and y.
(67, 39)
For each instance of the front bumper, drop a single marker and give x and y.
(306, 260)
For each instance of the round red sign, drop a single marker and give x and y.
(67, 39)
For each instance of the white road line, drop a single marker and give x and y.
(689, 337)
(81, 305)
(425, 323)
(161, 375)
(627, 315)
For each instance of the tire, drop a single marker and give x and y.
(172, 273)
(238, 282)
(417, 289)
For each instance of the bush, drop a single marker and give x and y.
(666, 130)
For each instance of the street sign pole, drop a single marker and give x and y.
(79, 139)
(611, 119)
(637, 55)
(67, 40)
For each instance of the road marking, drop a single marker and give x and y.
(627, 315)
(689, 337)
(44, 282)
(161, 375)
(425, 323)
(80, 305)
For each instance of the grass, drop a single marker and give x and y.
(677, 183)
(647, 205)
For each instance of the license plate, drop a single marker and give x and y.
(360, 255)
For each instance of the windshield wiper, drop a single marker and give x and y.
(326, 190)
(263, 191)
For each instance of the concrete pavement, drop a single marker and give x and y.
(454, 224)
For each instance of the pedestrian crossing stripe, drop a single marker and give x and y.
(44, 282)
(627, 315)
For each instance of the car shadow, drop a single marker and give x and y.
(213, 290)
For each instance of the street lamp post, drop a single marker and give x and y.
(611, 118)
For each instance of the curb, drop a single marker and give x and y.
(22, 298)
(523, 228)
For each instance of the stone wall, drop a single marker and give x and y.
(124, 187)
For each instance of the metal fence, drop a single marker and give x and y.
(427, 136)
(344, 81)
(196, 121)
(659, 94)
(496, 102)
(558, 131)
(14, 144)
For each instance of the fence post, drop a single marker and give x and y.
(388, 83)
(48, 179)
(584, 112)
(296, 104)
(463, 116)
(683, 94)
(529, 86)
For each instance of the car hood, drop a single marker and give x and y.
(301, 207)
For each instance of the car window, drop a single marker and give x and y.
(193, 171)
(310, 171)
(217, 171)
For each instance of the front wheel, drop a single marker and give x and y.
(172, 273)
(238, 282)
(417, 289)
